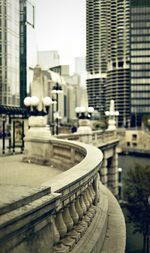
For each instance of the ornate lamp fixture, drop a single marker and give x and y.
(32, 104)
(57, 89)
(83, 113)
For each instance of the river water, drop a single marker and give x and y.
(134, 241)
(127, 161)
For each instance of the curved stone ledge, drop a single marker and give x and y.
(78, 215)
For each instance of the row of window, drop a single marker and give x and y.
(140, 10)
(140, 53)
(140, 38)
(140, 60)
(138, 109)
(140, 95)
(141, 102)
(140, 46)
(140, 31)
(140, 74)
(140, 24)
(140, 67)
(140, 81)
(140, 87)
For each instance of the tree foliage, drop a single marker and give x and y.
(136, 194)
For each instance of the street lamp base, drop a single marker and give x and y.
(37, 141)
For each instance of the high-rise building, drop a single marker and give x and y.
(28, 53)
(140, 60)
(9, 52)
(16, 16)
(95, 55)
(118, 57)
(48, 59)
(80, 69)
(108, 53)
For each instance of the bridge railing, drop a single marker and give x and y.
(71, 207)
(79, 192)
(96, 137)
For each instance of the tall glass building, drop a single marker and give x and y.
(28, 52)
(17, 49)
(140, 60)
(118, 47)
(9, 52)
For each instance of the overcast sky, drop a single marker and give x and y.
(60, 25)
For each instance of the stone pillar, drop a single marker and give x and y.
(113, 173)
(37, 133)
(104, 170)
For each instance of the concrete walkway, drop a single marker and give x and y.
(15, 172)
(21, 182)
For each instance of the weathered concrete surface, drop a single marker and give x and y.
(115, 237)
(108, 228)
(15, 172)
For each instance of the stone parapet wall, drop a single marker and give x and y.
(73, 208)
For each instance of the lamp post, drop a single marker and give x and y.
(53, 124)
(84, 115)
(120, 183)
(57, 89)
(32, 104)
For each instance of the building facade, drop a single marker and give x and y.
(118, 50)
(140, 60)
(28, 57)
(48, 59)
(9, 52)
(108, 55)
(80, 69)
(15, 41)
(95, 57)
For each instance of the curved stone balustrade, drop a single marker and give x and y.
(96, 138)
(78, 215)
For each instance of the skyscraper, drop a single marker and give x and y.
(140, 60)
(80, 69)
(48, 59)
(107, 59)
(95, 53)
(28, 54)
(15, 18)
(9, 52)
(118, 49)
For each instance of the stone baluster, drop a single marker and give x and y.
(92, 193)
(67, 219)
(82, 225)
(56, 235)
(91, 211)
(73, 213)
(87, 203)
(60, 224)
(89, 196)
(78, 208)
(95, 186)
(83, 205)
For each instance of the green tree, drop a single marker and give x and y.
(136, 194)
